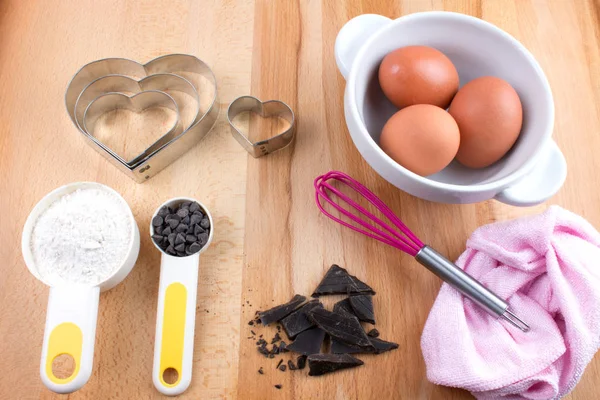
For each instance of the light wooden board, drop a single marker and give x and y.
(270, 240)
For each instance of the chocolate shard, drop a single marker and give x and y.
(279, 312)
(339, 326)
(344, 307)
(338, 347)
(338, 281)
(308, 342)
(301, 362)
(298, 321)
(363, 307)
(321, 364)
(373, 333)
(381, 346)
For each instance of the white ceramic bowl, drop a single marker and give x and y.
(533, 170)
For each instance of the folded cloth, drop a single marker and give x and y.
(547, 267)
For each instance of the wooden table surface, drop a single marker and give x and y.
(270, 241)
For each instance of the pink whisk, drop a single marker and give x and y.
(397, 235)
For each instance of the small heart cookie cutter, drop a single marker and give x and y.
(270, 108)
(156, 73)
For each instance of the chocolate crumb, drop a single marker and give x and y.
(279, 363)
(291, 365)
(301, 362)
(373, 333)
(276, 338)
(260, 371)
(282, 368)
(251, 323)
(278, 386)
(252, 332)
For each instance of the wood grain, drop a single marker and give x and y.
(270, 242)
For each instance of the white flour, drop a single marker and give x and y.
(83, 237)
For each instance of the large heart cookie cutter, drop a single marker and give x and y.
(271, 108)
(185, 66)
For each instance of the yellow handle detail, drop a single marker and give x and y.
(65, 338)
(173, 329)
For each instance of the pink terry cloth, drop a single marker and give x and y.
(547, 267)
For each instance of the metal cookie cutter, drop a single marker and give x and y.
(164, 73)
(271, 108)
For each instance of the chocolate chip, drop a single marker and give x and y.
(181, 228)
(203, 238)
(185, 204)
(170, 250)
(205, 223)
(157, 238)
(194, 207)
(195, 247)
(173, 223)
(180, 248)
(164, 211)
(183, 212)
(198, 230)
(172, 238)
(190, 230)
(157, 221)
(190, 238)
(180, 238)
(195, 219)
(173, 216)
(159, 230)
(167, 231)
(165, 243)
(181, 254)
(186, 220)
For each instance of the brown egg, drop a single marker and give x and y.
(418, 75)
(422, 138)
(489, 115)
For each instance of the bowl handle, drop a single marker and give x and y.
(352, 36)
(546, 178)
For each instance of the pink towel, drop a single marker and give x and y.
(547, 267)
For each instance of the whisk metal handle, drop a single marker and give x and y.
(467, 285)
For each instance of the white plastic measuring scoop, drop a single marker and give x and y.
(73, 308)
(176, 314)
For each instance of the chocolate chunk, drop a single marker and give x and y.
(190, 238)
(180, 238)
(260, 371)
(282, 368)
(164, 211)
(363, 307)
(181, 228)
(157, 220)
(373, 333)
(298, 321)
(276, 338)
(173, 223)
(320, 364)
(381, 346)
(198, 230)
(194, 207)
(279, 312)
(167, 231)
(195, 219)
(195, 247)
(308, 342)
(301, 362)
(278, 386)
(291, 365)
(171, 239)
(205, 223)
(183, 212)
(339, 326)
(180, 248)
(338, 281)
(344, 307)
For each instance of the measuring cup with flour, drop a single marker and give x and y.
(181, 228)
(79, 239)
